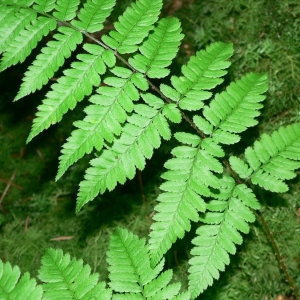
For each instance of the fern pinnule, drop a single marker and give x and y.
(66, 278)
(273, 159)
(181, 199)
(158, 51)
(71, 88)
(52, 57)
(13, 22)
(140, 135)
(93, 14)
(14, 287)
(226, 215)
(26, 41)
(235, 109)
(203, 72)
(110, 105)
(131, 275)
(66, 10)
(133, 26)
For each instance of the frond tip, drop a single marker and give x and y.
(14, 287)
(229, 213)
(133, 26)
(66, 278)
(131, 275)
(273, 159)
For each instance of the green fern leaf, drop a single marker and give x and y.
(13, 23)
(6, 13)
(184, 188)
(131, 273)
(226, 215)
(245, 194)
(159, 49)
(203, 125)
(140, 135)
(19, 2)
(49, 60)
(44, 5)
(133, 26)
(93, 14)
(66, 278)
(202, 73)
(273, 159)
(235, 109)
(103, 121)
(66, 9)
(26, 41)
(171, 112)
(69, 89)
(14, 287)
(240, 167)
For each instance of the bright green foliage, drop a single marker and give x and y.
(104, 118)
(93, 14)
(13, 22)
(27, 40)
(14, 287)
(44, 6)
(272, 159)
(126, 118)
(227, 214)
(49, 60)
(66, 9)
(66, 278)
(131, 273)
(63, 277)
(203, 72)
(140, 135)
(133, 26)
(159, 49)
(192, 170)
(76, 83)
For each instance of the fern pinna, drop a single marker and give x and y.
(126, 118)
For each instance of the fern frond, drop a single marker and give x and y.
(187, 181)
(49, 60)
(235, 109)
(191, 171)
(229, 213)
(65, 10)
(26, 41)
(104, 118)
(140, 135)
(159, 49)
(66, 278)
(272, 159)
(133, 26)
(13, 23)
(70, 89)
(202, 73)
(131, 273)
(93, 14)
(14, 287)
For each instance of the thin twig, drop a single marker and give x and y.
(12, 184)
(7, 188)
(278, 255)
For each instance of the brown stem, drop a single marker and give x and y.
(7, 188)
(278, 255)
